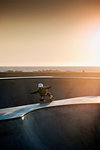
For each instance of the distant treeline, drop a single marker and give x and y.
(39, 71)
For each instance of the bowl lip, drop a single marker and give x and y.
(7, 114)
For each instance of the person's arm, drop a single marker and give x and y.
(34, 92)
(48, 87)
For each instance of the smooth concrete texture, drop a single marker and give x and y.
(72, 124)
(16, 91)
(29, 77)
(47, 77)
(17, 112)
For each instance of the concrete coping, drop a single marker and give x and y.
(21, 111)
(49, 77)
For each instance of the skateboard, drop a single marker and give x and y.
(47, 100)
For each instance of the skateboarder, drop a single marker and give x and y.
(42, 90)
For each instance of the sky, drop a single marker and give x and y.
(49, 33)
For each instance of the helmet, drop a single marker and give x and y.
(40, 85)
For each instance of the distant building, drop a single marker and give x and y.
(83, 70)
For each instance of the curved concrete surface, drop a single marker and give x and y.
(70, 126)
(47, 77)
(28, 77)
(16, 112)
(16, 91)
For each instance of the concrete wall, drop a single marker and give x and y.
(17, 92)
(75, 127)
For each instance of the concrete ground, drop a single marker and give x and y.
(72, 124)
(16, 92)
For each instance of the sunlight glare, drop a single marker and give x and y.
(94, 40)
(22, 117)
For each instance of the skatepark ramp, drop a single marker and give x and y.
(15, 91)
(72, 124)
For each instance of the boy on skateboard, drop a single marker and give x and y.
(42, 90)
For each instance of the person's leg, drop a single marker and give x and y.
(42, 98)
(50, 95)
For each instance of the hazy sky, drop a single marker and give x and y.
(44, 32)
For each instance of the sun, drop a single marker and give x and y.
(94, 40)
(92, 46)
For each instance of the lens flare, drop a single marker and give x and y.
(23, 117)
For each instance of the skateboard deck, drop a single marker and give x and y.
(47, 100)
